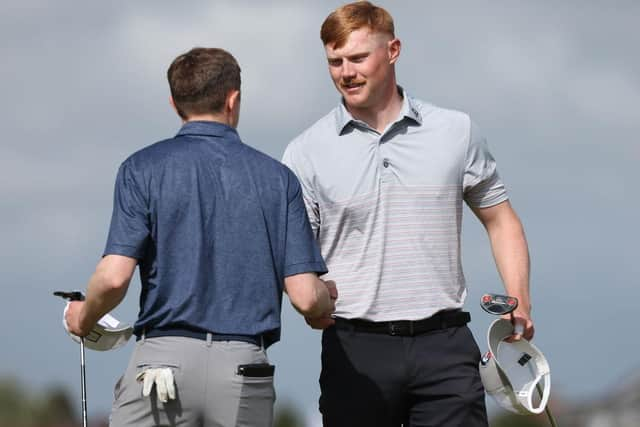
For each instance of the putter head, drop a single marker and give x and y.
(70, 295)
(498, 305)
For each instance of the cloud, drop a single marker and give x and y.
(554, 87)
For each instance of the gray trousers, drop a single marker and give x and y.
(209, 390)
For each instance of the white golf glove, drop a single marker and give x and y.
(162, 378)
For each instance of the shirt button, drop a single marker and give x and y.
(385, 163)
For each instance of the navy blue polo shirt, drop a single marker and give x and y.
(216, 227)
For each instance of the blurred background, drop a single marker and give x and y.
(555, 87)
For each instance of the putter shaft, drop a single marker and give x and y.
(78, 296)
(83, 383)
(552, 420)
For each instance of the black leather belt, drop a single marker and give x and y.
(198, 334)
(407, 328)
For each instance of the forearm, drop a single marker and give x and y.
(106, 289)
(309, 295)
(510, 251)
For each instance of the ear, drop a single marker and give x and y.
(393, 47)
(233, 100)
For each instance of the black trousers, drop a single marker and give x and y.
(379, 380)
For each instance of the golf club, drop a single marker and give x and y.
(78, 296)
(500, 305)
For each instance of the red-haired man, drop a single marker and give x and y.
(384, 176)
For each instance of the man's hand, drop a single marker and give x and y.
(311, 296)
(107, 287)
(320, 322)
(522, 325)
(73, 319)
(331, 287)
(325, 320)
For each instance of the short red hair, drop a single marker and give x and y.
(351, 17)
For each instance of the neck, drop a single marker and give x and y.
(383, 110)
(219, 118)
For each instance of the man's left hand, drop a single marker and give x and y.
(522, 326)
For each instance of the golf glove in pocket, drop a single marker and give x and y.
(163, 380)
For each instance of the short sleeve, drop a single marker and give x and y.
(130, 229)
(482, 185)
(302, 254)
(302, 171)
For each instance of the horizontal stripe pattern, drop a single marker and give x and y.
(394, 252)
(387, 208)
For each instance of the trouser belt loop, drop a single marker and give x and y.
(443, 321)
(209, 339)
(142, 336)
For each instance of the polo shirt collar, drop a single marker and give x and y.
(207, 128)
(409, 110)
(343, 117)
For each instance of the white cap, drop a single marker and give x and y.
(512, 371)
(108, 334)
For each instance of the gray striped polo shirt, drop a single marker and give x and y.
(386, 208)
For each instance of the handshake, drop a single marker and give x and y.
(325, 319)
(312, 297)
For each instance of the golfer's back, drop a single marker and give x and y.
(218, 215)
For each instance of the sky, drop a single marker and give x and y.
(554, 86)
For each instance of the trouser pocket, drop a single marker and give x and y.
(257, 394)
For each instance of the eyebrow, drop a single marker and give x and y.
(351, 56)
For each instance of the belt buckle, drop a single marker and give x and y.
(401, 328)
(393, 328)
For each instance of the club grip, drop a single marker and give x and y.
(70, 295)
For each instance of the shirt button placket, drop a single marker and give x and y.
(385, 171)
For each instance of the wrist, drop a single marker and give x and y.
(85, 320)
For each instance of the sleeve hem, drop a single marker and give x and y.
(491, 201)
(305, 267)
(124, 250)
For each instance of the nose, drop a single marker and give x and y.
(348, 70)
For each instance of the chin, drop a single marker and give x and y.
(362, 105)
(356, 101)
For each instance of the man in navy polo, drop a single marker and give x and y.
(218, 230)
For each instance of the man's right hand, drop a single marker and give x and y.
(331, 287)
(312, 297)
(320, 322)
(325, 320)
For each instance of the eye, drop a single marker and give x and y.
(335, 62)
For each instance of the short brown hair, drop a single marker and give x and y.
(201, 79)
(351, 17)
